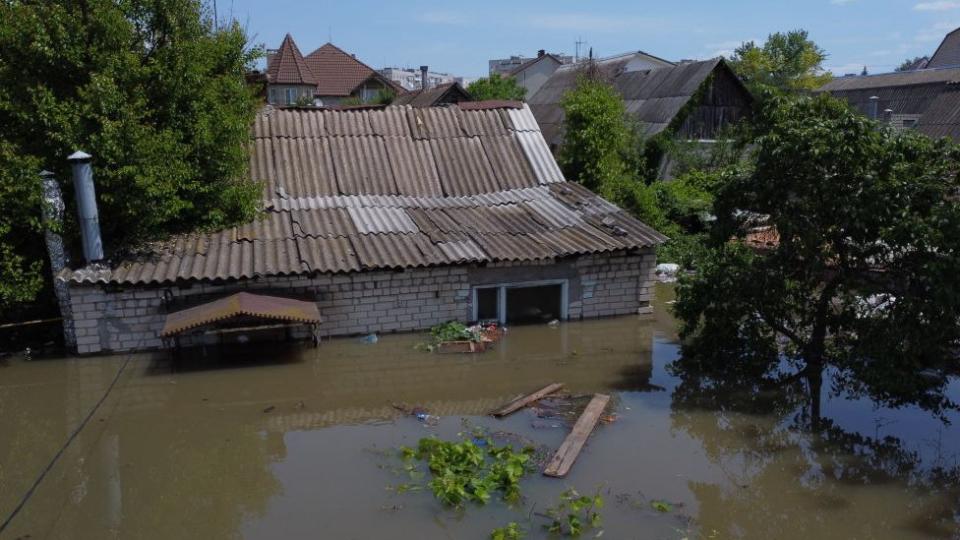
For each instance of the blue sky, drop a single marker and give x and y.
(460, 38)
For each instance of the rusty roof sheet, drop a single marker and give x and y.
(241, 304)
(355, 190)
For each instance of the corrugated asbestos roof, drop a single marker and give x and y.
(400, 187)
(241, 304)
(654, 97)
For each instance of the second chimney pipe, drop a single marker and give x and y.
(424, 80)
(874, 113)
(86, 206)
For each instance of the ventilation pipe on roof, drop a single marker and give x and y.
(541, 53)
(52, 211)
(888, 115)
(86, 206)
(424, 80)
(874, 108)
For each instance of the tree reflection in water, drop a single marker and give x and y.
(790, 469)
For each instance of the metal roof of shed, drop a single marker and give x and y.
(348, 191)
(241, 304)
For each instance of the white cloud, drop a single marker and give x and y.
(939, 5)
(591, 22)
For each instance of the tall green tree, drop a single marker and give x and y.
(601, 151)
(152, 89)
(496, 87)
(862, 284)
(786, 62)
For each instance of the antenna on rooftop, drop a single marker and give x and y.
(329, 34)
(578, 43)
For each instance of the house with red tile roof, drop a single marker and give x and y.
(327, 76)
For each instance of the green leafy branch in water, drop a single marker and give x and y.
(453, 331)
(511, 532)
(464, 471)
(574, 512)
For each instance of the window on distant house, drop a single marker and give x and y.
(291, 96)
(909, 123)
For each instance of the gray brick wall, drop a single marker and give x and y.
(130, 318)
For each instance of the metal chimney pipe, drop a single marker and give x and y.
(424, 80)
(86, 206)
(53, 220)
(874, 113)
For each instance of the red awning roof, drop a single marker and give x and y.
(239, 304)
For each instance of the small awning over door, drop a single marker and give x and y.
(242, 304)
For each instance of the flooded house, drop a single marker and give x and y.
(376, 220)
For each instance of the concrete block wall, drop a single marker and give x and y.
(120, 319)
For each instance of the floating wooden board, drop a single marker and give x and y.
(521, 402)
(560, 465)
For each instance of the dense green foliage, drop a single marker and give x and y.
(463, 472)
(496, 87)
(20, 227)
(786, 62)
(863, 279)
(152, 90)
(602, 151)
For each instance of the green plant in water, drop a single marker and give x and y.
(574, 513)
(463, 471)
(661, 506)
(453, 331)
(511, 532)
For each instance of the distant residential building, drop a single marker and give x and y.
(655, 91)
(927, 99)
(689, 101)
(444, 94)
(533, 73)
(327, 76)
(411, 79)
(504, 66)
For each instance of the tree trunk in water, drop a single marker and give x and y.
(815, 386)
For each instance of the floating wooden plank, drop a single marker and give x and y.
(519, 403)
(560, 465)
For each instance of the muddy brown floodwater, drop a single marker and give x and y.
(295, 442)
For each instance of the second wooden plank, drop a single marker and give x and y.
(560, 465)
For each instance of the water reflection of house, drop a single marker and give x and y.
(391, 219)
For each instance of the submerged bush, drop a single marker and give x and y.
(463, 471)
